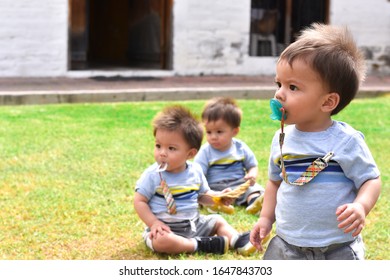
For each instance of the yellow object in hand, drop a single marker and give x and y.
(220, 207)
(228, 209)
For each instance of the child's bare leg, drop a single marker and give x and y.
(237, 241)
(222, 228)
(171, 243)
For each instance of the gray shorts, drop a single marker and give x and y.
(278, 249)
(202, 226)
(242, 200)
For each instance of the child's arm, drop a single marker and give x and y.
(142, 208)
(206, 198)
(267, 216)
(251, 175)
(352, 216)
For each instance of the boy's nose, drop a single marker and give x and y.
(163, 152)
(279, 94)
(213, 135)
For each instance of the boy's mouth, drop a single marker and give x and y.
(162, 167)
(277, 110)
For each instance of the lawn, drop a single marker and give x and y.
(67, 177)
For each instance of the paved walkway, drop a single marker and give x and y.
(18, 91)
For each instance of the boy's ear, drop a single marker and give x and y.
(236, 131)
(192, 153)
(330, 102)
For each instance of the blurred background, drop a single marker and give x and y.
(175, 37)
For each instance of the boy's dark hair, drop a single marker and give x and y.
(333, 54)
(179, 118)
(222, 108)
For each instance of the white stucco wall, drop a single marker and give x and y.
(212, 37)
(369, 21)
(209, 37)
(33, 37)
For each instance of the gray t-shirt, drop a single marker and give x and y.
(186, 187)
(231, 164)
(305, 215)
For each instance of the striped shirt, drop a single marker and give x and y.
(231, 164)
(305, 215)
(185, 187)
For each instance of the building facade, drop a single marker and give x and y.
(50, 38)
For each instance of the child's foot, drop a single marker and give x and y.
(213, 244)
(243, 244)
(256, 205)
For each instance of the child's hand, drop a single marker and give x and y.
(250, 178)
(351, 217)
(259, 232)
(158, 227)
(227, 200)
(251, 175)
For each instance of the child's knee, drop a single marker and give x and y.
(161, 244)
(220, 221)
(221, 226)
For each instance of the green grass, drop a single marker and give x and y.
(67, 177)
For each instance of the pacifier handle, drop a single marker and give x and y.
(283, 118)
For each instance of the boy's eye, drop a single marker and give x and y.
(172, 148)
(158, 146)
(293, 88)
(278, 85)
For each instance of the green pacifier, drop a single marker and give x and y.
(277, 110)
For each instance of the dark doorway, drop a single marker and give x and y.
(120, 34)
(276, 23)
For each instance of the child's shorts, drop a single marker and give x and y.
(204, 225)
(278, 249)
(242, 200)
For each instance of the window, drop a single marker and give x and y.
(276, 23)
(120, 34)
